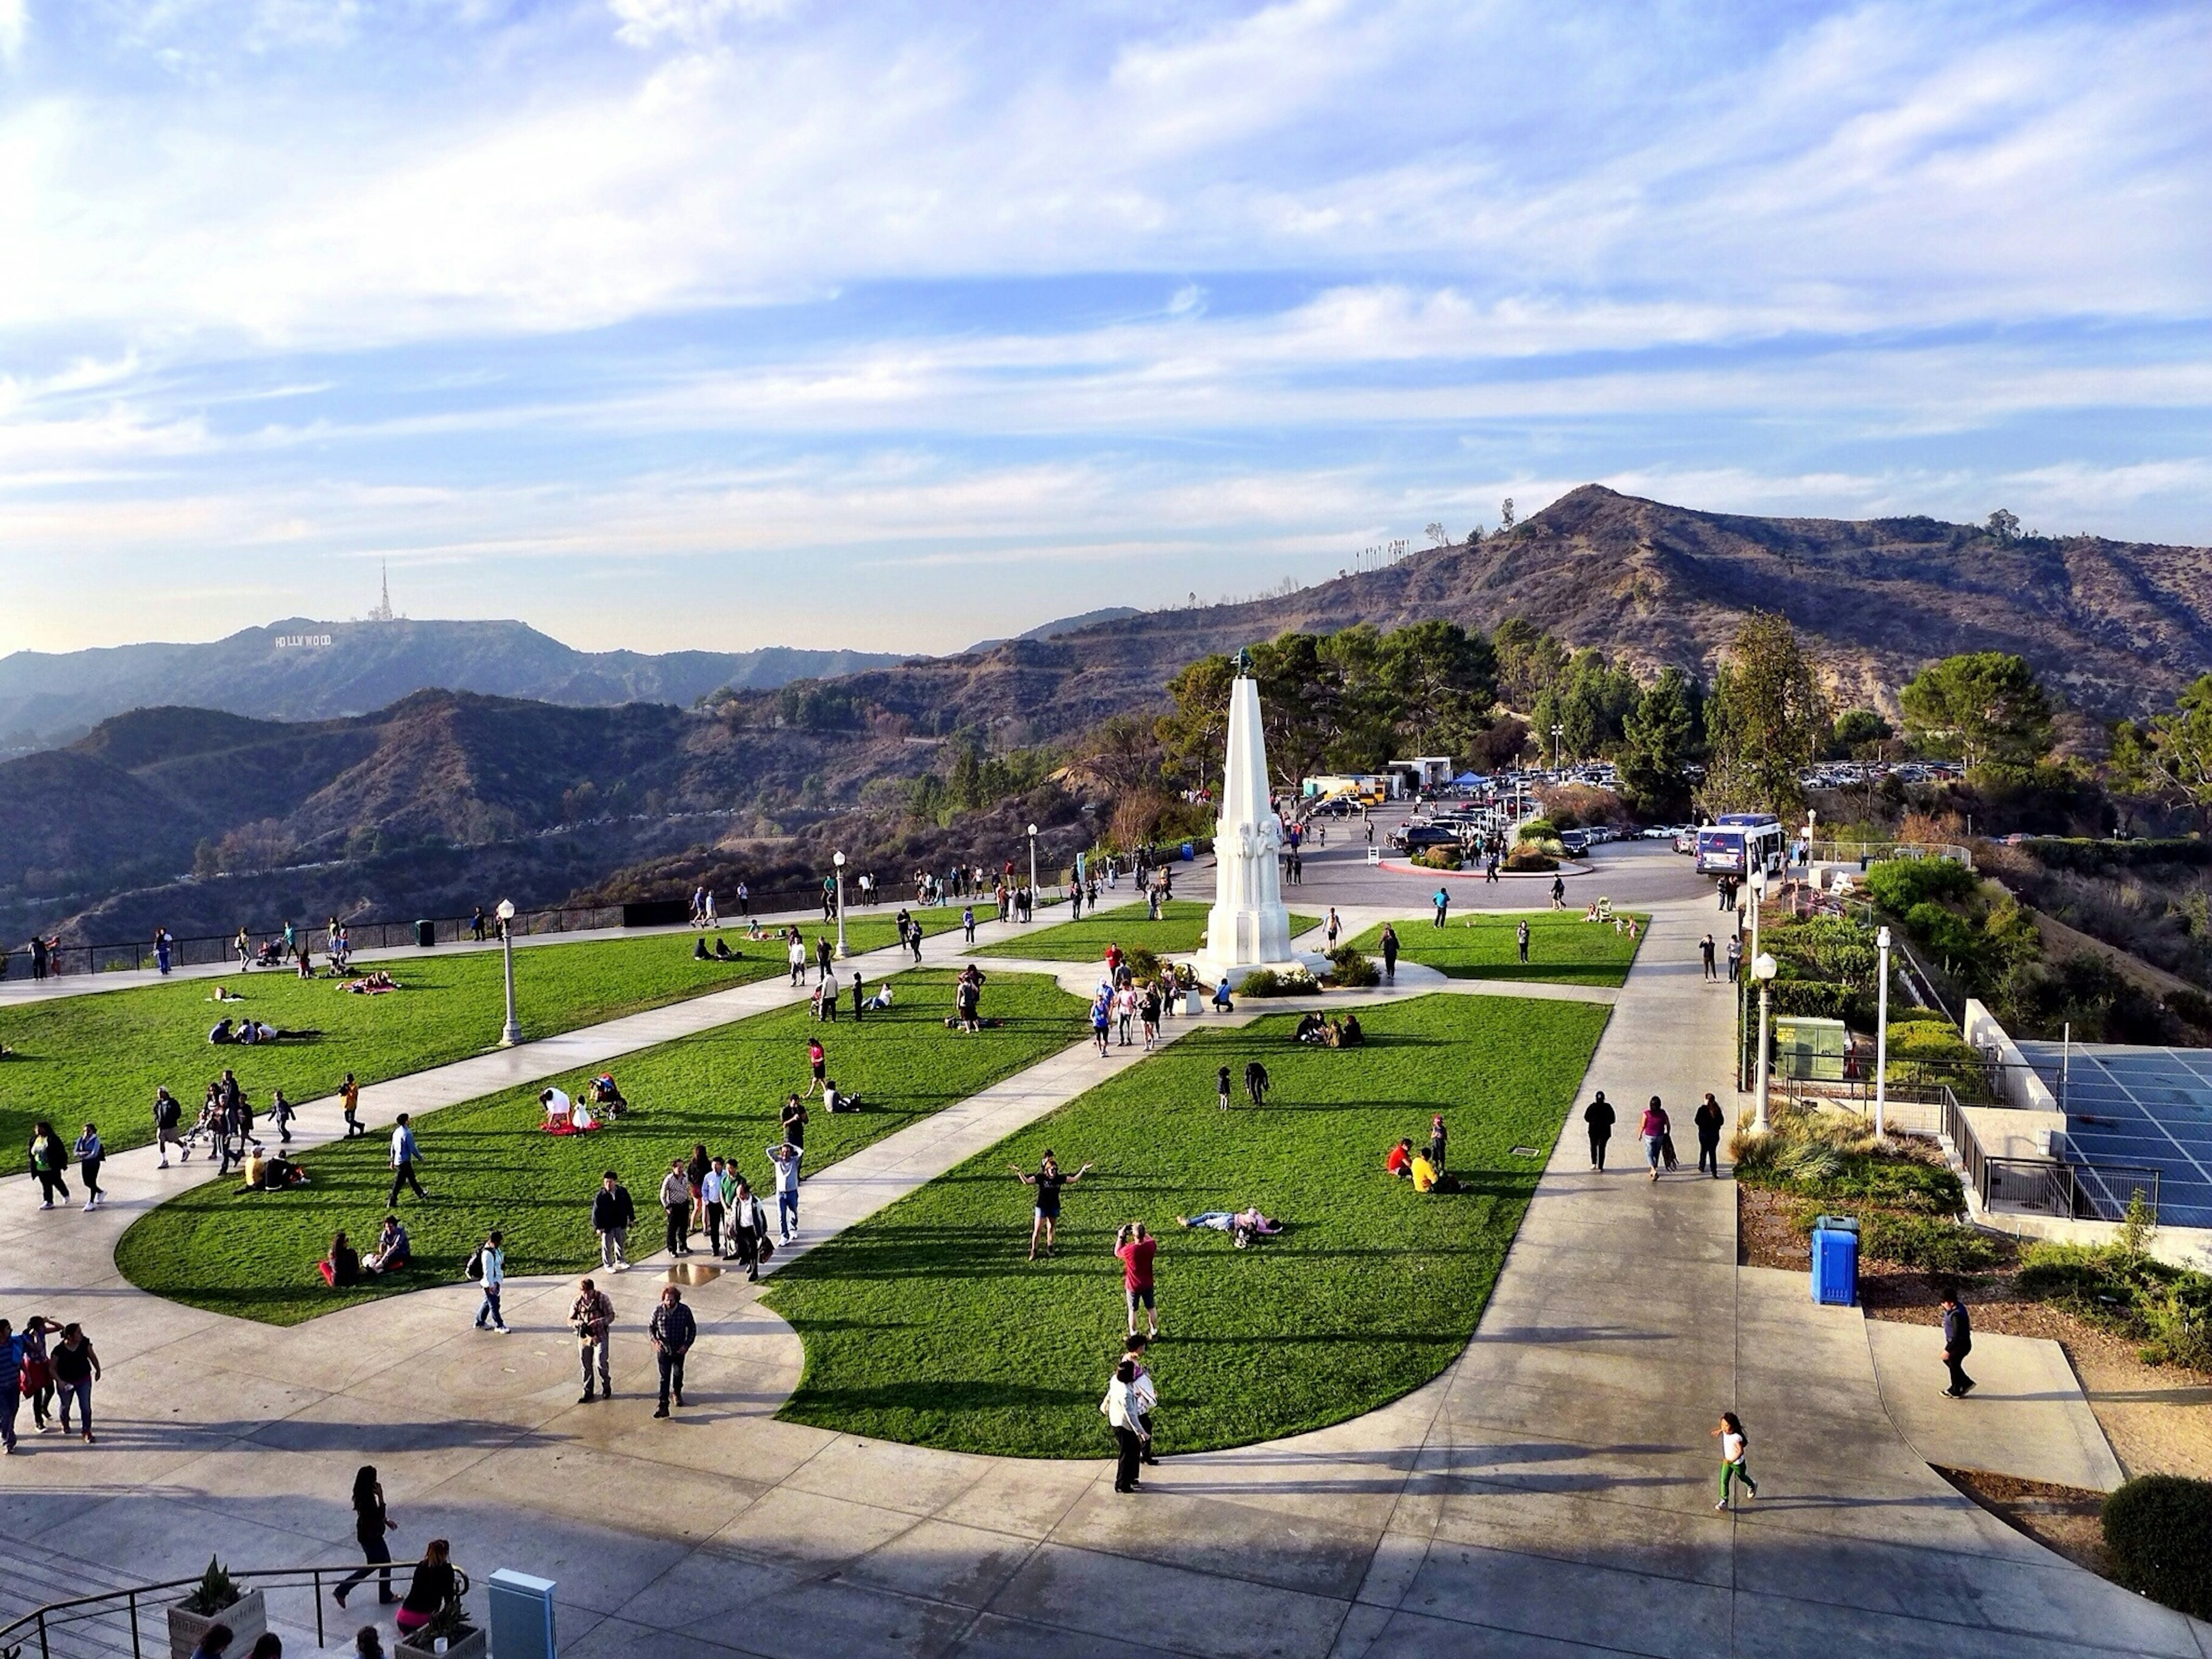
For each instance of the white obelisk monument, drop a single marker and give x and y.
(1247, 926)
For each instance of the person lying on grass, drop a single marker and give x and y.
(371, 985)
(1243, 1226)
(1048, 1180)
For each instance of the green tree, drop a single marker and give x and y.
(2173, 755)
(1300, 702)
(1854, 728)
(1194, 733)
(1442, 686)
(1528, 660)
(1986, 708)
(1659, 739)
(1765, 720)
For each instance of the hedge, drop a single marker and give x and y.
(2088, 858)
(2158, 1533)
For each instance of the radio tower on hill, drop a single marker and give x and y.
(382, 612)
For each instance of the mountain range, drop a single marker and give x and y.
(302, 669)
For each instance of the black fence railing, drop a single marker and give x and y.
(2073, 1189)
(135, 1621)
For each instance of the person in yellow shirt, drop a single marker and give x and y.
(1424, 1173)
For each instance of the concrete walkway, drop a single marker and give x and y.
(1549, 1494)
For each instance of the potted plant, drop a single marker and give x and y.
(448, 1633)
(216, 1601)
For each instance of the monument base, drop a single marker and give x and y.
(1210, 972)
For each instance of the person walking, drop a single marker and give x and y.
(1123, 1409)
(817, 1062)
(280, 1113)
(1559, 892)
(1598, 1117)
(1735, 1450)
(492, 1255)
(712, 1199)
(1705, 949)
(747, 1227)
(968, 923)
(696, 1168)
(405, 1155)
(676, 1204)
(1045, 1222)
(1136, 1250)
(168, 1116)
(90, 1154)
(14, 1355)
(1521, 939)
(1335, 927)
(612, 1212)
(673, 1330)
(1389, 954)
(1654, 1130)
(371, 1521)
(1710, 1120)
(1958, 1343)
(1442, 903)
(591, 1316)
(350, 1098)
(49, 1161)
(75, 1366)
(793, 1125)
(785, 1156)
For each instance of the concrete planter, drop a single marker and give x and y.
(469, 1644)
(247, 1617)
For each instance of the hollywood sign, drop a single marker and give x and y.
(290, 640)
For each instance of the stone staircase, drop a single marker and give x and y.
(32, 1577)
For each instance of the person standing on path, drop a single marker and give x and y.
(673, 1330)
(90, 1154)
(785, 1156)
(1958, 1343)
(1389, 954)
(695, 1170)
(350, 1098)
(1710, 1120)
(1136, 1248)
(1045, 1222)
(1706, 948)
(591, 1316)
(371, 1521)
(13, 1355)
(1124, 1411)
(1734, 956)
(75, 1366)
(1598, 1116)
(1335, 927)
(1734, 1455)
(968, 923)
(1521, 939)
(1442, 903)
(405, 1155)
(712, 1201)
(795, 954)
(612, 1212)
(793, 1125)
(825, 974)
(676, 1205)
(1147, 1394)
(492, 1254)
(1654, 1129)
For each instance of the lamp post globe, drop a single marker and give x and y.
(511, 1033)
(838, 858)
(1031, 910)
(1763, 968)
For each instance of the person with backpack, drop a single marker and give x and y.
(49, 1161)
(1736, 1451)
(673, 1330)
(1598, 1118)
(490, 1265)
(612, 1212)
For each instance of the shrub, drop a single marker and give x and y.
(1528, 856)
(1438, 858)
(1267, 982)
(1929, 1243)
(2158, 1533)
(213, 1593)
(1898, 885)
(1142, 963)
(1537, 829)
(1351, 970)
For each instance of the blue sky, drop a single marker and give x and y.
(726, 322)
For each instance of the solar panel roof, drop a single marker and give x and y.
(2151, 1107)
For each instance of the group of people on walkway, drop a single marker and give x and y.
(1656, 1130)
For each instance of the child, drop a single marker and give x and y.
(1221, 1088)
(1735, 1450)
(284, 1112)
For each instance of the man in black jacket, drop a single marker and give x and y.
(672, 1330)
(611, 1215)
(1599, 1116)
(1958, 1343)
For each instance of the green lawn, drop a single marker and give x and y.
(926, 1322)
(1563, 948)
(1182, 926)
(487, 1163)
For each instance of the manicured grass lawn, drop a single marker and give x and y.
(100, 1057)
(1182, 926)
(1563, 948)
(926, 1322)
(487, 1163)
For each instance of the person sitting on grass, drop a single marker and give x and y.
(699, 952)
(1350, 1034)
(393, 1251)
(1424, 1174)
(1399, 1160)
(1311, 1028)
(606, 1096)
(722, 952)
(881, 1000)
(341, 1268)
(271, 1172)
(835, 1099)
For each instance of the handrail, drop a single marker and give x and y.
(43, 1622)
(1829, 851)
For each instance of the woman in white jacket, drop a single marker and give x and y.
(1124, 1410)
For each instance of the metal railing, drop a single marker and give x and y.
(2075, 1189)
(1873, 852)
(112, 1621)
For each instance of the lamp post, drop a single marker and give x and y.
(1758, 893)
(838, 858)
(1763, 970)
(511, 1033)
(1882, 1035)
(1558, 731)
(1031, 911)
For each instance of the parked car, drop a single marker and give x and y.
(1414, 837)
(1577, 842)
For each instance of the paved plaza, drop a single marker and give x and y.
(1551, 1493)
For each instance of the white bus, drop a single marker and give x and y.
(1739, 843)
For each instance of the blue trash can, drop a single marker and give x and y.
(1836, 1262)
(1189, 852)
